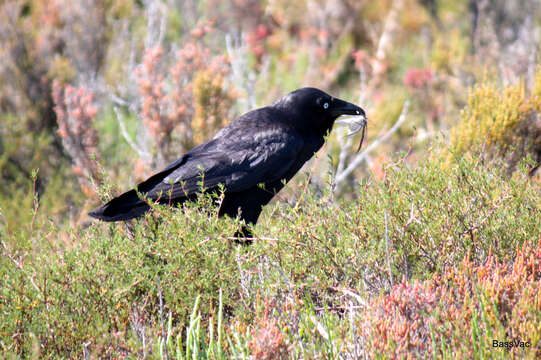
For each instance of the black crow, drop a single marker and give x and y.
(253, 158)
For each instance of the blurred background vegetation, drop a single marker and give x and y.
(95, 95)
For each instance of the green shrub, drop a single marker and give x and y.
(99, 289)
(501, 122)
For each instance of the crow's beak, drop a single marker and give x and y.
(341, 107)
(357, 120)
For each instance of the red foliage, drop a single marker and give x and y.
(167, 111)
(256, 40)
(417, 78)
(268, 341)
(400, 324)
(202, 29)
(151, 87)
(191, 59)
(361, 59)
(399, 317)
(75, 113)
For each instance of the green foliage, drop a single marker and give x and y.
(449, 51)
(212, 105)
(492, 117)
(501, 122)
(431, 255)
(112, 290)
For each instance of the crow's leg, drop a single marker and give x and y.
(243, 236)
(247, 205)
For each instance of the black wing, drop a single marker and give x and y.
(256, 148)
(237, 161)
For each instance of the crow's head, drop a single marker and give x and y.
(313, 109)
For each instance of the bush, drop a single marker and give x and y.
(433, 254)
(462, 312)
(110, 289)
(501, 122)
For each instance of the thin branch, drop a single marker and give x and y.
(251, 238)
(320, 328)
(241, 76)
(362, 82)
(389, 29)
(387, 250)
(163, 343)
(142, 154)
(357, 297)
(156, 24)
(344, 150)
(118, 100)
(19, 265)
(340, 177)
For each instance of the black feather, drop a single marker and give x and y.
(267, 146)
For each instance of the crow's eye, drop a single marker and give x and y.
(325, 105)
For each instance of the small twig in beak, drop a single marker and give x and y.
(355, 130)
(362, 135)
(355, 126)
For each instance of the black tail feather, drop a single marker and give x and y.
(124, 207)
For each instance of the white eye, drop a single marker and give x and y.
(326, 105)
